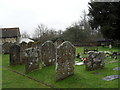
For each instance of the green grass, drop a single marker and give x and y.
(0, 71)
(13, 80)
(80, 79)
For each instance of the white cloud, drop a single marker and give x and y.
(27, 14)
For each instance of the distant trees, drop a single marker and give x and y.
(74, 34)
(98, 23)
(42, 33)
(25, 35)
(81, 31)
(40, 30)
(77, 32)
(105, 15)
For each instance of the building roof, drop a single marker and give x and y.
(27, 40)
(9, 32)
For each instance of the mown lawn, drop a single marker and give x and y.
(0, 72)
(80, 79)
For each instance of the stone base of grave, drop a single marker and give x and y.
(61, 78)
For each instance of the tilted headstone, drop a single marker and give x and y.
(95, 60)
(32, 60)
(23, 46)
(48, 53)
(15, 55)
(65, 60)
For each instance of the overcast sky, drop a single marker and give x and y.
(27, 14)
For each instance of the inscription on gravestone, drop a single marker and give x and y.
(65, 60)
(15, 55)
(48, 53)
(32, 62)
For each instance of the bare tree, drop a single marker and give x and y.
(25, 35)
(42, 33)
(40, 30)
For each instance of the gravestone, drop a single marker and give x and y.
(48, 53)
(38, 46)
(6, 47)
(32, 60)
(23, 46)
(95, 60)
(65, 60)
(31, 44)
(59, 41)
(15, 55)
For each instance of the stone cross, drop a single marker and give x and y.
(65, 60)
(48, 53)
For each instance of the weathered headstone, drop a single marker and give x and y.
(38, 46)
(59, 41)
(15, 55)
(32, 60)
(65, 60)
(6, 47)
(31, 44)
(95, 60)
(48, 53)
(113, 61)
(23, 46)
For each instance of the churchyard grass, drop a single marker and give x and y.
(13, 80)
(80, 79)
